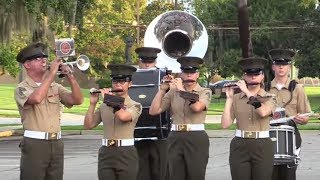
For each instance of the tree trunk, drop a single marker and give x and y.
(244, 31)
(73, 18)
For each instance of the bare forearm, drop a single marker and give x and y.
(77, 97)
(197, 106)
(156, 103)
(123, 115)
(41, 92)
(88, 119)
(226, 119)
(264, 110)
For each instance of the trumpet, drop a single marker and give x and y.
(82, 62)
(94, 90)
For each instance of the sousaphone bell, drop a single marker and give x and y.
(177, 34)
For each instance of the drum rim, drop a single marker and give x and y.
(282, 127)
(283, 156)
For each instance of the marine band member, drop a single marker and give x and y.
(292, 97)
(38, 98)
(188, 143)
(118, 158)
(251, 150)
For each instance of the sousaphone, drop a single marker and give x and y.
(177, 34)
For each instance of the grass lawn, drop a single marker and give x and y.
(8, 107)
(309, 126)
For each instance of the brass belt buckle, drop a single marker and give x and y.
(249, 134)
(182, 127)
(112, 142)
(52, 136)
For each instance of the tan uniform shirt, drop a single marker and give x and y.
(247, 118)
(180, 108)
(299, 102)
(115, 128)
(45, 116)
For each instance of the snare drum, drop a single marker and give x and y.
(284, 140)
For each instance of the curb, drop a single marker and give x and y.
(7, 133)
(19, 132)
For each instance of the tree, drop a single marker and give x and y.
(268, 17)
(309, 46)
(37, 20)
(154, 9)
(102, 36)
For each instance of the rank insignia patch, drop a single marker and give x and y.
(21, 91)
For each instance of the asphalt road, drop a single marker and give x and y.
(81, 157)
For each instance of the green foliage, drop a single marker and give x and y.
(156, 8)
(104, 82)
(9, 52)
(309, 46)
(8, 107)
(269, 16)
(7, 60)
(102, 37)
(229, 63)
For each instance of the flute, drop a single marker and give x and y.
(94, 91)
(183, 81)
(233, 85)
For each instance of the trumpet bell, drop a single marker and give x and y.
(177, 34)
(83, 62)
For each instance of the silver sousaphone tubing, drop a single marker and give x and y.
(177, 34)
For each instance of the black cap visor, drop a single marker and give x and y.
(147, 59)
(253, 72)
(189, 69)
(281, 61)
(119, 78)
(36, 56)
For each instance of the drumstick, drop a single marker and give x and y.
(286, 119)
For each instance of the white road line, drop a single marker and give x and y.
(9, 165)
(10, 156)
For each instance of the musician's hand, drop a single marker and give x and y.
(229, 92)
(243, 87)
(105, 91)
(166, 80)
(54, 65)
(66, 69)
(301, 119)
(177, 84)
(94, 98)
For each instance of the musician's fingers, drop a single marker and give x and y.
(167, 77)
(301, 119)
(104, 90)
(170, 76)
